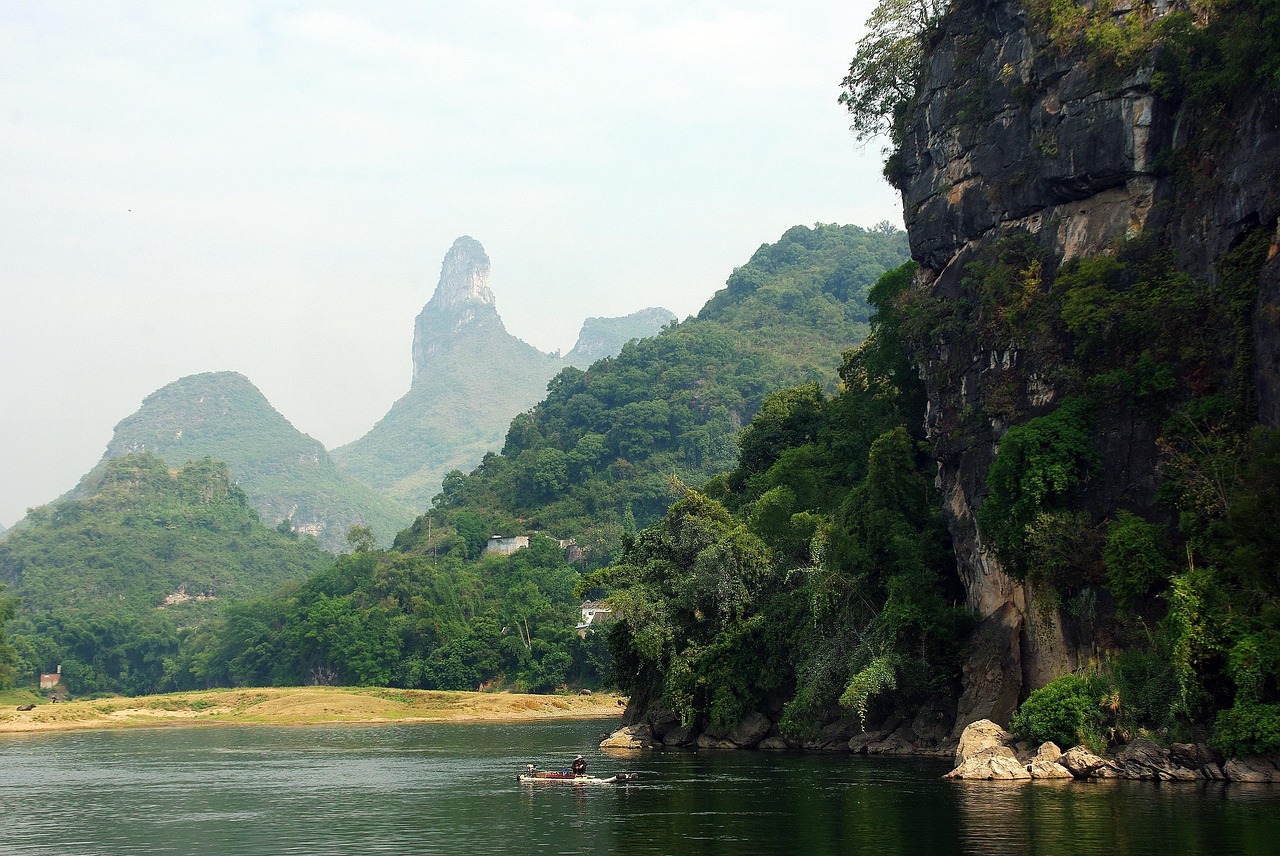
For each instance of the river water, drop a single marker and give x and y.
(451, 789)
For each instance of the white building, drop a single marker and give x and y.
(592, 611)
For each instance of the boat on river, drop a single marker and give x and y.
(533, 776)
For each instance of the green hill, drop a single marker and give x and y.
(285, 474)
(597, 456)
(107, 580)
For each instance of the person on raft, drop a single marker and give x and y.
(579, 766)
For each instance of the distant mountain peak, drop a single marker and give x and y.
(470, 377)
(462, 299)
(464, 276)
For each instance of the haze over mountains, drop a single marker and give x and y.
(470, 377)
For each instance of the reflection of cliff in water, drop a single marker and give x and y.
(1056, 817)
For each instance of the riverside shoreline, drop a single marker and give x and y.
(304, 706)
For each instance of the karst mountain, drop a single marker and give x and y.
(470, 377)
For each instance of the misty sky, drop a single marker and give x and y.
(269, 188)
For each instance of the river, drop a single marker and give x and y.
(451, 789)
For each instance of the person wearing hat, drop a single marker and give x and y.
(579, 766)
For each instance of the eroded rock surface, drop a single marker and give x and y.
(1012, 136)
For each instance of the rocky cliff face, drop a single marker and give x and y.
(1013, 136)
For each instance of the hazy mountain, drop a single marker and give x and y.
(604, 337)
(285, 474)
(470, 377)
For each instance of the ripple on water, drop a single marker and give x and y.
(450, 789)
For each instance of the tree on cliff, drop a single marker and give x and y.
(882, 77)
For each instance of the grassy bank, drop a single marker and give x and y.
(302, 706)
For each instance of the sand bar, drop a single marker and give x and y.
(305, 706)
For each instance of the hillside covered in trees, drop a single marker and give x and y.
(596, 458)
(286, 475)
(434, 611)
(815, 574)
(108, 584)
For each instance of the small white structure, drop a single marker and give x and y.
(505, 545)
(592, 611)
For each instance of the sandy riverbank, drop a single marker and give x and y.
(304, 706)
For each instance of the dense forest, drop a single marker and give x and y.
(815, 574)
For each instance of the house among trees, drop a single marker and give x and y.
(505, 545)
(49, 680)
(592, 611)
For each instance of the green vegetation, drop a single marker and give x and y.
(380, 618)
(1128, 335)
(1067, 711)
(595, 458)
(286, 475)
(1031, 484)
(815, 574)
(93, 574)
(1209, 50)
(1248, 729)
(885, 70)
(8, 655)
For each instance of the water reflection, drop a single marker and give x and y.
(1067, 817)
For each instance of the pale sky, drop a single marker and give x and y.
(269, 188)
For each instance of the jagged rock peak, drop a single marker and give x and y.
(462, 301)
(464, 276)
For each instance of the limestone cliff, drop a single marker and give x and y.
(1015, 135)
(462, 299)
